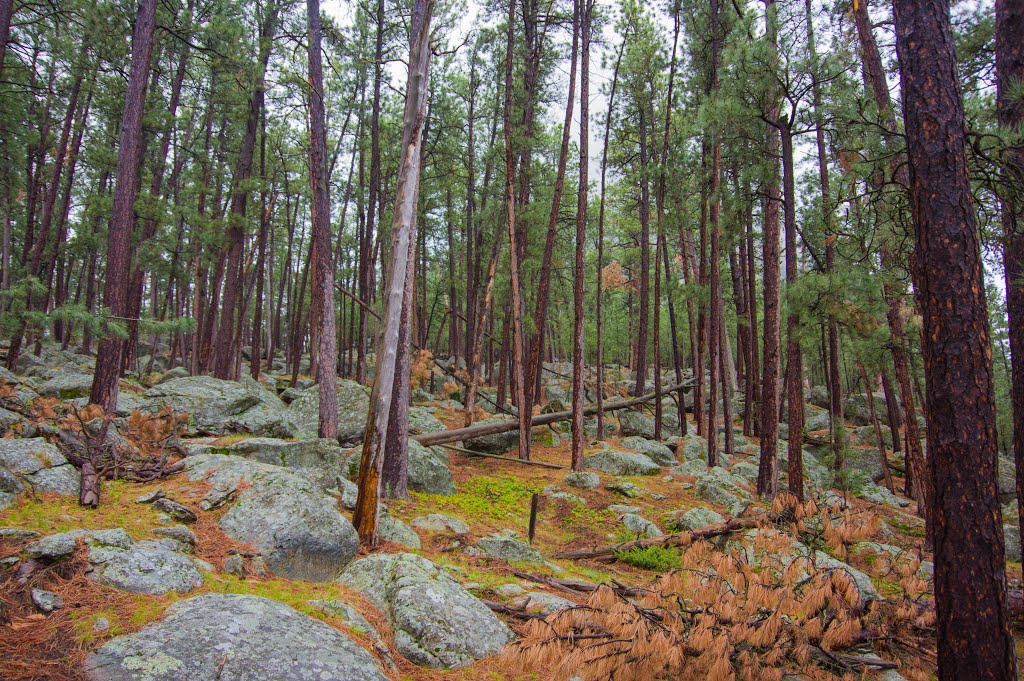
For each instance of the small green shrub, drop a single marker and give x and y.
(658, 558)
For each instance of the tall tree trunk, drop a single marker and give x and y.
(640, 360)
(227, 346)
(599, 296)
(578, 387)
(768, 467)
(122, 219)
(794, 356)
(874, 75)
(149, 225)
(320, 209)
(838, 429)
(1010, 114)
(396, 301)
(535, 365)
(974, 639)
(6, 12)
(715, 306)
(514, 256)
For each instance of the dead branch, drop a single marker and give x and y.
(679, 539)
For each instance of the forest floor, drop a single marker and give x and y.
(492, 496)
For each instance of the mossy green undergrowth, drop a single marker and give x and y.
(500, 498)
(657, 558)
(51, 513)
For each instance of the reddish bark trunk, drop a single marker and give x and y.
(974, 639)
(122, 219)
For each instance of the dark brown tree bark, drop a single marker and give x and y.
(838, 430)
(974, 639)
(402, 263)
(514, 256)
(122, 219)
(149, 225)
(715, 274)
(599, 295)
(535, 364)
(768, 466)
(874, 75)
(320, 209)
(794, 356)
(1010, 115)
(6, 12)
(227, 343)
(640, 359)
(578, 388)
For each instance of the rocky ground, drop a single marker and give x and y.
(242, 563)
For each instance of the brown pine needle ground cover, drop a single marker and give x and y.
(714, 614)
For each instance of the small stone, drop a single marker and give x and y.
(349, 493)
(47, 601)
(566, 496)
(439, 522)
(233, 566)
(150, 497)
(395, 530)
(667, 478)
(583, 480)
(258, 566)
(16, 533)
(626, 489)
(217, 497)
(639, 525)
(541, 603)
(178, 511)
(509, 590)
(8, 562)
(696, 519)
(101, 624)
(622, 509)
(502, 545)
(179, 533)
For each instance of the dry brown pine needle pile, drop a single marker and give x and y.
(752, 613)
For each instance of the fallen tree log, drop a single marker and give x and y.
(525, 462)
(679, 539)
(481, 429)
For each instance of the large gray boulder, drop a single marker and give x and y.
(695, 519)
(1007, 480)
(1011, 535)
(353, 404)
(321, 460)
(506, 545)
(658, 453)
(116, 560)
(422, 420)
(634, 423)
(232, 637)
(66, 383)
(299, 532)
(428, 470)
(221, 406)
(436, 622)
(34, 463)
(618, 462)
(144, 568)
(720, 487)
(856, 410)
(498, 443)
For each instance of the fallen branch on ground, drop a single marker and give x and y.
(679, 539)
(470, 452)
